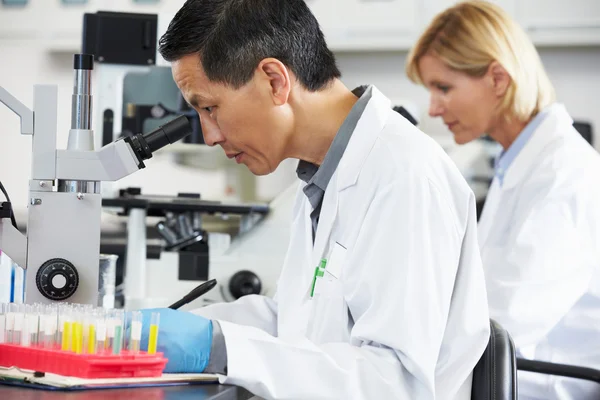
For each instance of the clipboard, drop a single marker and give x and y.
(26, 378)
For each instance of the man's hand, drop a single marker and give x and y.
(183, 337)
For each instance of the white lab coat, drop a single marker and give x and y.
(405, 316)
(540, 247)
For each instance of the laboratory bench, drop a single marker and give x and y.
(196, 392)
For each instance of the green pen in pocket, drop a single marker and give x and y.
(319, 272)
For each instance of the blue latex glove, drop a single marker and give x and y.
(183, 337)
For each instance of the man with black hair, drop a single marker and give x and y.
(381, 295)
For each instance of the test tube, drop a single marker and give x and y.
(101, 330)
(29, 333)
(34, 325)
(77, 332)
(117, 339)
(153, 336)
(25, 326)
(41, 311)
(50, 326)
(135, 332)
(60, 323)
(110, 330)
(66, 325)
(11, 310)
(3, 311)
(19, 316)
(89, 333)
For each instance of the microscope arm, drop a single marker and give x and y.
(111, 163)
(120, 158)
(18, 108)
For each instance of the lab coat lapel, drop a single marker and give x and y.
(486, 222)
(329, 210)
(556, 121)
(363, 138)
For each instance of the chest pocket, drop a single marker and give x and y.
(329, 313)
(329, 321)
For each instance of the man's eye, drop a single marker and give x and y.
(443, 88)
(209, 109)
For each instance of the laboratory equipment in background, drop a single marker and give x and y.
(62, 246)
(107, 280)
(175, 243)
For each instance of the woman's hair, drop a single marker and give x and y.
(469, 36)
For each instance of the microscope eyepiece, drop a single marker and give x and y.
(169, 133)
(83, 61)
(145, 144)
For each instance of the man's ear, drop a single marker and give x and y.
(499, 77)
(276, 74)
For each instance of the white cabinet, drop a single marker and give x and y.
(548, 23)
(20, 21)
(325, 12)
(349, 25)
(58, 25)
(368, 24)
(434, 7)
(573, 22)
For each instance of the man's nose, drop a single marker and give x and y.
(211, 132)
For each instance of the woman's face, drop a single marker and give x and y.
(466, 104)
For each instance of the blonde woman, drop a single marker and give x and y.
(538, 233)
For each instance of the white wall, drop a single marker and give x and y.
(574, 72)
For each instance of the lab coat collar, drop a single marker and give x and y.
(363, 138)
(365, 134)
(554, 125)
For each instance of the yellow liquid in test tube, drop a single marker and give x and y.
(152, 339)
(77, 338)
(66, 336)
(91, 340)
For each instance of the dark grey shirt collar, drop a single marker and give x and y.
(320, 176)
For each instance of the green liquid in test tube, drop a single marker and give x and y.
(118, 322)
(118, 339)
(153, 336)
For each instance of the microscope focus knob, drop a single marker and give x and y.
(57, 279)
(243, 283)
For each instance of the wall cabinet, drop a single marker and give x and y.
(349, 25)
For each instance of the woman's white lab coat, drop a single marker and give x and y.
(401, 312)
(540, 247)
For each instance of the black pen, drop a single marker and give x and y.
(194, 294)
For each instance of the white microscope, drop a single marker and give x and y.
(60, 251)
